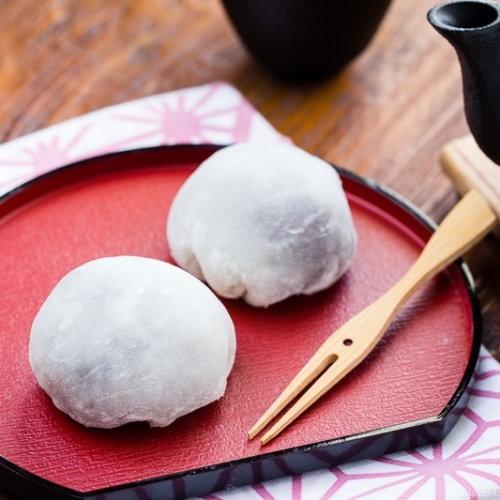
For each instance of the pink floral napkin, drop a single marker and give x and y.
(466, 465)
(211, 114)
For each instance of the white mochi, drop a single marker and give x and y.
(263, 222)
(123, 339)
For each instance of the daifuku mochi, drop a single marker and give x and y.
(124, 339)
(263, 222)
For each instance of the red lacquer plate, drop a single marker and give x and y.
(406, 393)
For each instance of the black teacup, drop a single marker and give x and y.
(305, 39)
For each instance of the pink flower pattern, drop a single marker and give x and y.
(466, 465)
(181, 121)
(214, 114)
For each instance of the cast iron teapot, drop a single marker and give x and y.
(473, 29)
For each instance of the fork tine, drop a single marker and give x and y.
(314, 367)
(326, 381)
(334, 351)
(343, 350)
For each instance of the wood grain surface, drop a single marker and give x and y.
(386, 116)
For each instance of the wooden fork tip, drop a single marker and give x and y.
(251, 434)
(256, 429)
(268, 437)
(259, 425)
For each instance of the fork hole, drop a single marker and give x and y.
(347, 342)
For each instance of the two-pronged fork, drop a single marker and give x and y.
(465, 225)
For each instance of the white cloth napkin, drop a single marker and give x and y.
(466, 465)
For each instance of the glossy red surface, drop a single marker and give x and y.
(119, 205)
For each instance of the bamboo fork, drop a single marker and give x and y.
(469, 221)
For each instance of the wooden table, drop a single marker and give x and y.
(386, 116)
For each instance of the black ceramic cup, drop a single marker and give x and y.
(305, 39)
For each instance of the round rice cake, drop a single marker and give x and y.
(123, 339)
(262, 222)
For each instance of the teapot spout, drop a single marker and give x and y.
(473, 29)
